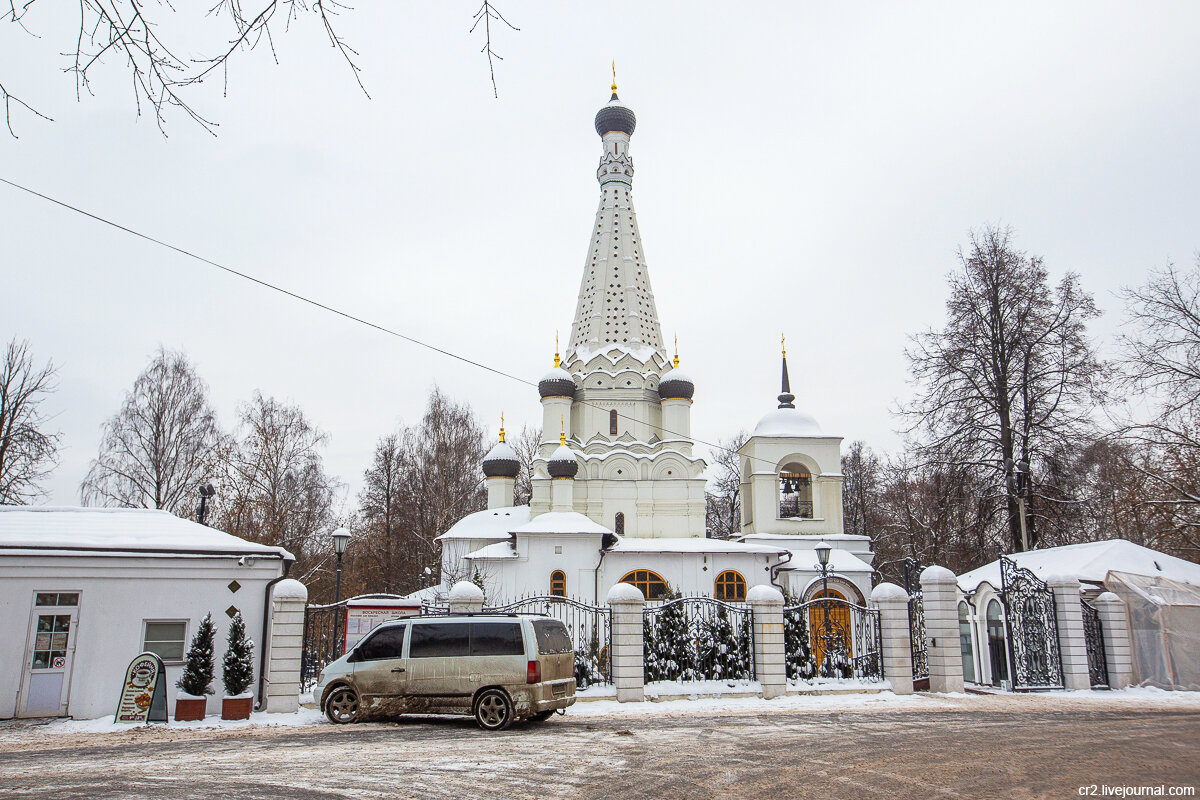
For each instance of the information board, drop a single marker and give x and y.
(144, 692)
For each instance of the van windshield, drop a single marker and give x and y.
(552, 636)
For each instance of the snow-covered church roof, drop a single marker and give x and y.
(1091, 562)
(568, 522)
(688, 544)
(106, 531)
(787, 422)
(491, 523)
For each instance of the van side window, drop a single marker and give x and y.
(552, 636)
(384, 643)
(439, 639)
(497, 639)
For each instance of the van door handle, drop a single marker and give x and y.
(398, 669)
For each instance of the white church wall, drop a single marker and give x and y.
(691, 574)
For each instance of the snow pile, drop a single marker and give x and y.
(258, 719)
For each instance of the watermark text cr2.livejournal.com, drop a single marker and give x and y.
(1161, 790)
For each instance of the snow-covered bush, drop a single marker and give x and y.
(198, 667)
(238, 666)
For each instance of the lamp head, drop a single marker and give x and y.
(341, 538)
(823, 553)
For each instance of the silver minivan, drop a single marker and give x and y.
(499, 667)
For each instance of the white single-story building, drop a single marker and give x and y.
(84, 590)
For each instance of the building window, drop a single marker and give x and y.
(795, 493)
(612, 422)
(996, 651)
(651, 583)
(730, 586)
(964, 642)
(165, 638)
(558, 583)
(619, 523)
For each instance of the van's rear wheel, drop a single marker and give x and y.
(342, 705)
(542, 716)
(493, 710)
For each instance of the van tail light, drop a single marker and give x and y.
(534, 673)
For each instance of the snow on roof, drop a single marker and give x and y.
(561, 522)
(787, 422)
(1091, 562)
(493, 551)
(117, 530)
(491, 523)
(805, 537)
(585, 352)
(688, 544)
(805, 560)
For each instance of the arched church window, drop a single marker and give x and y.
(558, 583)
(649, 582)
(619, 523)
(730, 586)
(795, 492)
(612, 422)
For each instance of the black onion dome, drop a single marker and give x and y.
(501, 462)
(562, 463)
(675, 385)
(615, 117)
(557, 383)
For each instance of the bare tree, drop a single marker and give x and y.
(862, 487)
(379, 514)
(723, 505)
(148, 42)
(161, 445)
(526, 445)
(27, 451)
(276, 490)
(1010, 379)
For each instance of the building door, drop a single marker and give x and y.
(829, 626)
(997, 655)
(49, 655)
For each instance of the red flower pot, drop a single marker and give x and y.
(237, 707)
(188, 708)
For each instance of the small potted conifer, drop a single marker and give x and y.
(196, 682)
(237, 672)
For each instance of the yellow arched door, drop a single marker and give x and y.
(834, 635)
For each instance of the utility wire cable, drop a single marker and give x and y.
(345, 314)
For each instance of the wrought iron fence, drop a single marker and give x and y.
(323, 640)
(1030, 616)
(590, 628)
(697, 638)
(916, 620)
(1093, 634)
(833, 638)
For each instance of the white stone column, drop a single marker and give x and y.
(1072, 644)
(770, 669)
(466, 598)
(562, 494)
(625, 653)
(500, 491)
(286, 644)
(892, 602)
(939, 597)
(1118, 648)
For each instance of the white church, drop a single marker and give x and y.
(618, 495)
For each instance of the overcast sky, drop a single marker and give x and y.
(801, 167)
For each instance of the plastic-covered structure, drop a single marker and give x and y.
(1164, 628)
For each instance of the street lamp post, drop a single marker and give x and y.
(826, 626)
(341, 538)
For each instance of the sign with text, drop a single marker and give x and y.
(362, 619)
(144, 692)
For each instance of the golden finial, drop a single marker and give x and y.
(556, 347)
(502, 426)
(614, 76)
(783, 344)
(562, 430)
(677, 349)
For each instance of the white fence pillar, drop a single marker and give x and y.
(939, 593)
(1072, 643)
(466, 598)
(625, 654)
(288, 600)
(770, 669)
(892, 602)
(1118, 650)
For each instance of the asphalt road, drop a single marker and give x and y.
(861, 754)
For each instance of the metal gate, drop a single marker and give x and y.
(916, 623)
(1093, 634)
(1032, 623)
(323, 639)
(843, 640)
(697, 639)
(590, 628)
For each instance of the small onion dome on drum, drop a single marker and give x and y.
(615, 117)
(501, 462)
(557, 383)
(676, 385)
(562, 463)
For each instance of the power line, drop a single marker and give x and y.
(346, 315)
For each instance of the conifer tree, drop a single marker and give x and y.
(723, 658)
(652, 668)
(197, 675)
(238, 665)
(796, 645)
(674, 645)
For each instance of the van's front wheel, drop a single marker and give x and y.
(342, 705)
(493, 710)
